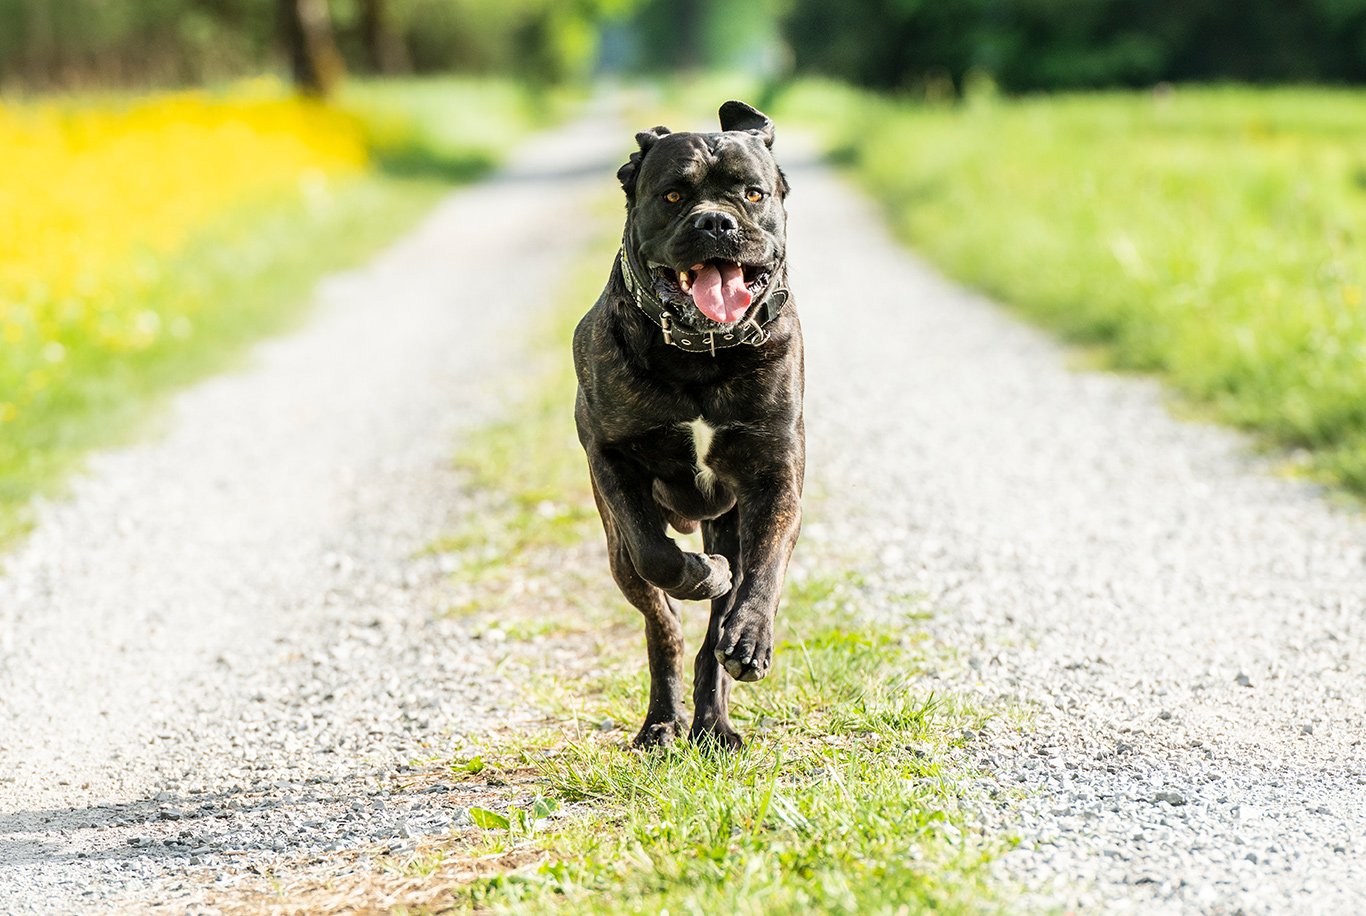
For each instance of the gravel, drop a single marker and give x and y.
(225, 650)
(1179, 626)
(225, 653)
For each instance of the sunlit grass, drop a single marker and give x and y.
(95, 198)
(144, 240)
(1216, 236)
(450, 128)
(849, 797)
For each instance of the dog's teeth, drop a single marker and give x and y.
(698, 267)
(684, 283)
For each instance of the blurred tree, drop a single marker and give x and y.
(1025, 44)
(543, 40)
(306, 30)
(706, 34)
(1050, 44)
(46, 44)
(384, 52)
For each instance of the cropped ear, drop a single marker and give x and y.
(736, 115)
(627, 173)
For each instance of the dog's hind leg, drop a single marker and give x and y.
(711, 683)
(665, 719)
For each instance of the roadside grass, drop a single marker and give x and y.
(847, 799)
(451, 128)
(850, 796)
(1215, 236)
(222, 276)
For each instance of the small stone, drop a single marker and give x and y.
(1306, 729)
(1170, 797)
(1242, 680)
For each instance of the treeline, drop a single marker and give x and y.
(932, 44)
(48, 44)
(1067, 44)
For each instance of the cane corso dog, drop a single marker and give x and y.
(690, 409)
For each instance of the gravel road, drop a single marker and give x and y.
(1183, 627)
(224, 648)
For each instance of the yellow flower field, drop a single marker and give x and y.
(94, 199)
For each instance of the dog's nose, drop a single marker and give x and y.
(715, 222)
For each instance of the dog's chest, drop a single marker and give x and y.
(702, 434)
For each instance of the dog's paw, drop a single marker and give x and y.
(745, 648)
(704, 576)
(660, 734)
(716, 736)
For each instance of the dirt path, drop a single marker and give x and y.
(1185, 628)
(226, 644)
(225, 647)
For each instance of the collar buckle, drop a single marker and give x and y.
(666, 327)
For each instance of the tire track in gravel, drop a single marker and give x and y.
(1185, 627)
(223, 649)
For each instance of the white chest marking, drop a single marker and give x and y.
(702, 434)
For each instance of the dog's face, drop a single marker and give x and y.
(705, 216)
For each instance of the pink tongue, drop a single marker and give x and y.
(721, 294)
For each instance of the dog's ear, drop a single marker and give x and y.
(736, 115)
(627, 173)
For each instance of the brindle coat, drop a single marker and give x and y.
(638, 402)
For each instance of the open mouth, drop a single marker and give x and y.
(721, 290)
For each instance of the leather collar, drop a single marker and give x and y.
(752, 331)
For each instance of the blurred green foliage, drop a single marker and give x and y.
(930, 45)
(447, 128)
(1058, 44)
(1214, 236)
(246, 271)
(81, 43)
(696, 35)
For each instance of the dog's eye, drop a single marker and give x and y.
(754, 195)
(672, 197)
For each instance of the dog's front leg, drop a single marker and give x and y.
(711, 684)
(770, 519)
(631, 522)
(628, 492)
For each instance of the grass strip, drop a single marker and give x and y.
(247, 273)
(847, 799)
(1210, 235)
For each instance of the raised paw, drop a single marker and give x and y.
(705, 576)
(745, 648)
(660, 734)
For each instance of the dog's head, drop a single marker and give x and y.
(705, 216)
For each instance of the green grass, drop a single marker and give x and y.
(251, 273)
(847, 799)
(448, 128)
(1215, 236)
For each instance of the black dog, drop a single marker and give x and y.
(690, 408)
